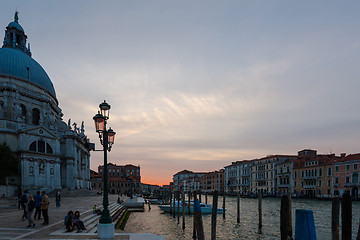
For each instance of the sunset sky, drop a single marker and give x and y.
(198, 84)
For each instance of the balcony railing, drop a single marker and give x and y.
(310, 177)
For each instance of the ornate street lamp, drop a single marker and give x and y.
(107, 140)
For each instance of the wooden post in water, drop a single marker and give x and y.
(346, 216)
(206, 198)
(174, 206)
(290, 217)
(335, 212)
(198, 220)
(260, 210)
(170, 203)
(238, 207)
(285, 218)
(189, 197)
(194, 220)
(213, 215)
(223, 206)
(183, 209)
(178, 206)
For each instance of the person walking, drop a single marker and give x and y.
(58, 199)
(37, 200)
(44, 207)
(31, 206)
(24, 202)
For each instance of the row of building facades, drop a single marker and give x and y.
(306, 174)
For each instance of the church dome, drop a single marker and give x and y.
(15, 25)
(16, 61)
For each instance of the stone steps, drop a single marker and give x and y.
(91, 220)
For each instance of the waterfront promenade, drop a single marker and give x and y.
(12, 227)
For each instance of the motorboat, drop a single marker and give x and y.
(205, 208)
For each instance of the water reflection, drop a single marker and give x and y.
(157, 222)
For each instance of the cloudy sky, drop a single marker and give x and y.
(198, 84)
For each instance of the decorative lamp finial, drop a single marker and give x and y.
(16, 17)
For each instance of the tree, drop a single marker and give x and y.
(8, 163)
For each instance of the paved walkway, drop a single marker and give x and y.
(11, 226)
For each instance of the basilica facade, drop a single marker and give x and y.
(52, 154)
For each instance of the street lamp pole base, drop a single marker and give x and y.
(105, 230)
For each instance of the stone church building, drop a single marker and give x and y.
(52, 154)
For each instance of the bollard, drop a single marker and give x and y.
(285, 218)
(238, 207)
(206, 198)
(199, 196)
(198, 220)
(335, 211)
(260, 210)
(346, 217)
(183, 210)
(214, 215)
(223, 205)
(304, 225)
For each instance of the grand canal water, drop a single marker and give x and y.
(157, 222)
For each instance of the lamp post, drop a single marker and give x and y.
(107, 136)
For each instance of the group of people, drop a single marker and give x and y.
(73, 221)
(39, 203)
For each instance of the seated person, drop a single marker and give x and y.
(68, 221)
(78, 223)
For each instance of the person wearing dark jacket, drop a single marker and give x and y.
(58, 199)
(37, 200)
(30, 209)
(68, 221)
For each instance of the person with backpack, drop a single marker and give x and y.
(30, 206)
(37, 200)
(24, 201)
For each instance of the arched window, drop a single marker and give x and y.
(23, 112)
(41, 146)
(35, 116)
(33, 146)
(49, 149)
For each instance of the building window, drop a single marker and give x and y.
(329, 171)
(355, 166)
(355, 177)
(337, 168)
(337, 180)
(294, 174)
(39, 146)
(347, 179)
(319, 183)
(329, 183)
(320, 172)
(23, 112)
(348, 167)
(35, 116)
